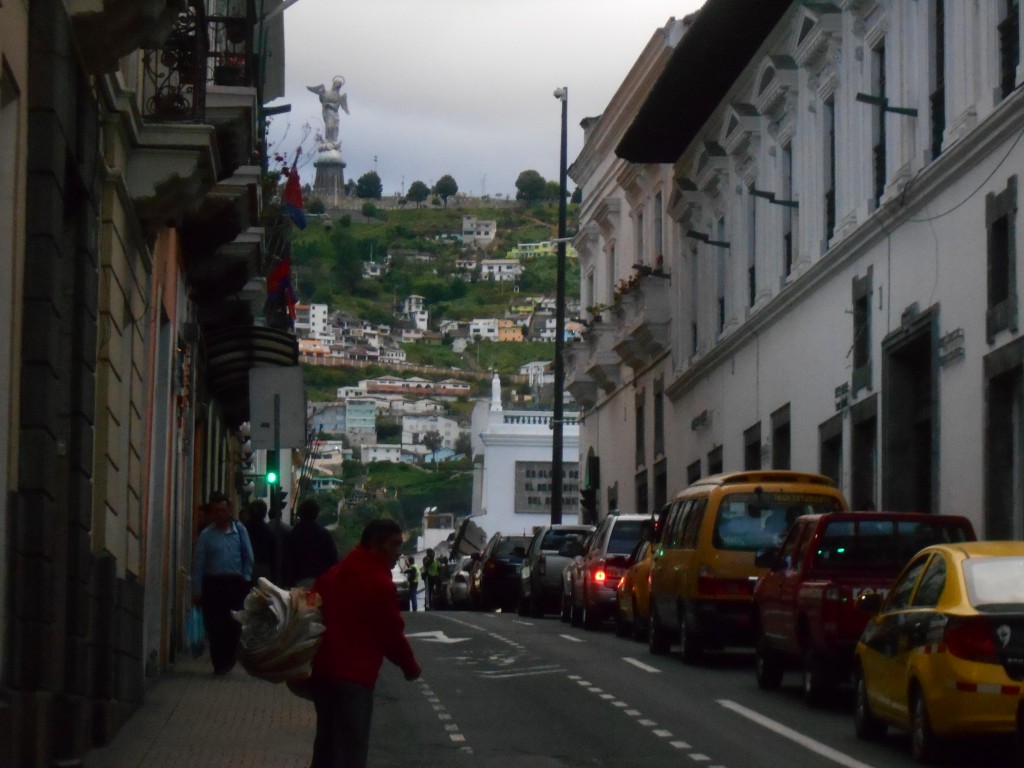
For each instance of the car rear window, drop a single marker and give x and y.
(995, 584)
(625, 535)
(748, 522)
(509, 544)
(882, 544)
(555, 540)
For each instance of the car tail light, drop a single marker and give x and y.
(971, 639)
(599, 575)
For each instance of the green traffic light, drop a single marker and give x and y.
(271, 477)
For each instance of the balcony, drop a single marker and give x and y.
(602, 364)
(644, 317)
(579, 383)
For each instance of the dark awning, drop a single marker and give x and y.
(230, 354)
(714, 51)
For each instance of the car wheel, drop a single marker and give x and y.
(768, 667)
(658, 640)
(923, 742)
(817, 680)
(865, 724)
(689, 646)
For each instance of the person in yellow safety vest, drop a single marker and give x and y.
(412, 575)
(431, 577)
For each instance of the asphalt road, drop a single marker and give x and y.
(500, 690)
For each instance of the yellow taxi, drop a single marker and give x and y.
(633, 593)
(943, 654)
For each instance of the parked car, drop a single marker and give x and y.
(494, 579)
(703, 574)
(594, 575)
(633, 592)
(458, 584)
(401, 585)
(806, 600)
(943, 654)
(540, 577)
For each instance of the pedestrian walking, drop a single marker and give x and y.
(221, 577)
(280, 529)
(431, 574)
(363, 627)
(309, 549)
(264, 543)
(412, 575)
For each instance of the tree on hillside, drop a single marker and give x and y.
(418, 193)
(433, 441)
(530, 187)
(552, 190)
(369, 186)
(445, 188)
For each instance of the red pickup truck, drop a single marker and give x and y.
(806, 600)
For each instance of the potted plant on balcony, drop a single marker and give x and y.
(230, 70)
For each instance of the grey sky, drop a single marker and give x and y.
(462, 87)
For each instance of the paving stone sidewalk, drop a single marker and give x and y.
(191, 718)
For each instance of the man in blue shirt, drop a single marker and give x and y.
(221, 576)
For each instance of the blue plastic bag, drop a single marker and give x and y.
(196, 632)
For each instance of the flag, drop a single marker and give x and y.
(291, 198)
(279, 284)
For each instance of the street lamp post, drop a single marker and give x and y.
(557, 422)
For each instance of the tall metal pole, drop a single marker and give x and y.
(557, 423)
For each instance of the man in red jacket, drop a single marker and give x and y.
(363, 627)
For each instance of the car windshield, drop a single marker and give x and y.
(882, 544)
(751, 521)
(625, 535)
(995, 584)
(555, 540)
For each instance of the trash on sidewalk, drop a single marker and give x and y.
(281, 630)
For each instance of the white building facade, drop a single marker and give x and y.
(826, 251)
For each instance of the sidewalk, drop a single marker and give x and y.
(191, 718)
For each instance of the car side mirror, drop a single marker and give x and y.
(869, 602)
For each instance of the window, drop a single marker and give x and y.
(694, 304)
(899, 597)
(659, 417)
(938, 96)
(641, 457)
(720, 281)
(862, 289)
(788, 207)
(751, 246)
(878, 150)
(781, 443)
(715, 461)
(932, 583)
(752, 447)
(658, 250)
(830, 168)
(694, 518)
(693, 472)
(1009, 47)
(1001, 222)
(639, 238)
(830, 440)
(641, 493)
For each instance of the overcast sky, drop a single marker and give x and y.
(460, 87)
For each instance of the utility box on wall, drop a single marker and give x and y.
(277, 408)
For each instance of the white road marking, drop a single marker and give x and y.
(679, 744)
(661, 733)
(699, 758)
(437, 636)
(633, 712)
(647, 723)
(805, 741)
(501, 675)
(640, 665)
(570, 638)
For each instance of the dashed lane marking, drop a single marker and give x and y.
(640, 665)
(571, 638)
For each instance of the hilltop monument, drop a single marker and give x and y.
(329, 183)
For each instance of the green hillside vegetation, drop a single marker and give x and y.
(327, 262)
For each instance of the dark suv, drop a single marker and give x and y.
(540, 578)
(494, 578)
(593, 576)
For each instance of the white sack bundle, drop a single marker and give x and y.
(280, 632)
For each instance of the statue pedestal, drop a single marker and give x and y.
(329, 184)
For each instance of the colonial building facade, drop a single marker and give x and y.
(134, 245)
(798, 246)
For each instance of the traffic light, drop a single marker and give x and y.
(588, 503)
(272, 474)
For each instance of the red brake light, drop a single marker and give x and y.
(599, 576)
(971, 639)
